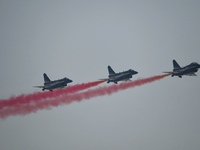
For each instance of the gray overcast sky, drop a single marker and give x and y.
(78, 39)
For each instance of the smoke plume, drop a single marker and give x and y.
(66, 98)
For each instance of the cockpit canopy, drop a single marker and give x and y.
(195, 64)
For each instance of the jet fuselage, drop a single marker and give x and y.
(50, 85)
(190, 69)
(61, 83)
(121, 76)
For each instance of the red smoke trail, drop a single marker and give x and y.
(66, 99)
(39, 96)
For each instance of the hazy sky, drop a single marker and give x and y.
(78, 39)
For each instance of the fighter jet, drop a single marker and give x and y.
(187, 70)
(50, 85)
(121, 76)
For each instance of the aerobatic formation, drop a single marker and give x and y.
(29, 103)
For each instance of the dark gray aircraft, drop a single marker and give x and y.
(187, 70)
(121, 76)
(50, 85)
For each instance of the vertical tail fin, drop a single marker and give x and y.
(176, 65)
(46, 78)
(110, 70)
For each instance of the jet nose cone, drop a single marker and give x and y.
(134, 72)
